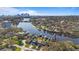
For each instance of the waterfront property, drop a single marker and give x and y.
(42, 33)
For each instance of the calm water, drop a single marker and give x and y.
(6, 24)
(29, 27)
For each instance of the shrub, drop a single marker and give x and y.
(18, 49)
(27, 45)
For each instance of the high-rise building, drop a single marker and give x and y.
(25, 15)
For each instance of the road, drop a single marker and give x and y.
(23, 48)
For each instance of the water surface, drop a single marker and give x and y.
(29, 27)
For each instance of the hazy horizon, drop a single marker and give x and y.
(40, 11)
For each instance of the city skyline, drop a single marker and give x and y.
(42, 11)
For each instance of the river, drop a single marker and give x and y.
(30, 28)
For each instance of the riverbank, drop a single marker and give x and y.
(66, 27)
(37, 35)
(29, 42)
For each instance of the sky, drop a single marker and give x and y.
(42, 11)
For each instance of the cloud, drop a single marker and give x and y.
(8, 11)
(14, 11)
(31, 12)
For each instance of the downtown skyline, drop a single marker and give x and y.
(40, 11)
